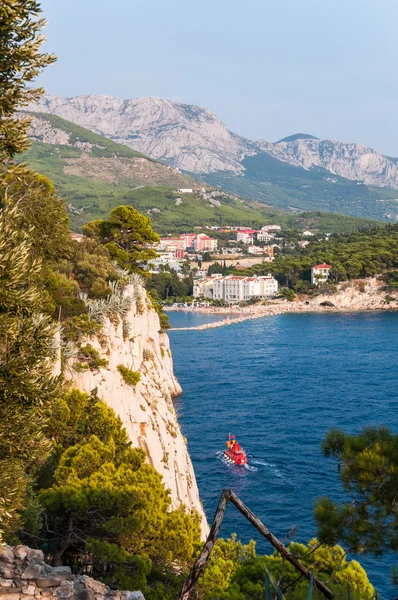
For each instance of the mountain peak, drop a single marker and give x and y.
(297, 136)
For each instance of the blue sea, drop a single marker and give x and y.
(279, 383)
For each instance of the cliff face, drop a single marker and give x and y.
(146, 409)
(359, 294)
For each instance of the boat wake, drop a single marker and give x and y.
(274, 470)
(255, 464)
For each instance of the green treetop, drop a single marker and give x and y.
(20, 62)
(101, 502)
(128, 236)
(368, 466)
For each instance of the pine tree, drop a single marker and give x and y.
(20, 62)
(26, 382)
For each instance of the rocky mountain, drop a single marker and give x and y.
(351, 161)
(96, 174)
(194, 139)
(188, 137)
(297, 173)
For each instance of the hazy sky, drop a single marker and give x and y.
(267, 68)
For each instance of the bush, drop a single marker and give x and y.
(147, 354)
(129, 376)
(80, 326)
(288, 294)
(90, 359)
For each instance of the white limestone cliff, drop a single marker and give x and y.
(146, 409)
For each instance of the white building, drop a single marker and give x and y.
(245, 236)
(185, 190)
(265, 236)
(235, 288)
(308, 233)
(271, 228)
(320, 273)
(205, 287)
(172, 243)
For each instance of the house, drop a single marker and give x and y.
(259, 250)
(320, 273)
(185, 190)
(246, 236)
(308, 233)
(271, 228)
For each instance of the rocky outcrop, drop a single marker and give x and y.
(351, 161)
(195, 139)
(356, 295)
(147, 408)
(25, 576)
(188, 137)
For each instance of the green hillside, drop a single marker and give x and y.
(293, 188)
(95, 174)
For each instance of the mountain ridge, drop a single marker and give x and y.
(194, 139)
(95, 174)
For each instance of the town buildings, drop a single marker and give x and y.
(320, 273)
(203, 242)
(196, 241)
(235, 288)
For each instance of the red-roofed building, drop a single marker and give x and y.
(320, 273)
(77, 236)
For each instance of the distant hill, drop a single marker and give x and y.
(325, 174)
(297, 136)
(96, 174)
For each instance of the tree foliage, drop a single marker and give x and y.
(26, 353)
(20, 62)
(99, 496)
(360, 254)
(236, 572)
(368, 464)
(127, 235)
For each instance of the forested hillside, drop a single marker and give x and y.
(95, 174)
(360, 254)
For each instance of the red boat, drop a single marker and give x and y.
(235, 452)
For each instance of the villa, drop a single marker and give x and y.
(320, 273)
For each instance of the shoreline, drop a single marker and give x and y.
(259, 312)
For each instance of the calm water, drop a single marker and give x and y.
(279, 384)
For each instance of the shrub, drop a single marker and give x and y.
(147, 354)
(90, 359)
(288, 294)
(129, 376)
(80, 326)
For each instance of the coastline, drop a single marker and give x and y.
(351, 297)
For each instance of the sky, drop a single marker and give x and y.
(267, 68)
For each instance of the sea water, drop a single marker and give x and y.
(279, 384)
